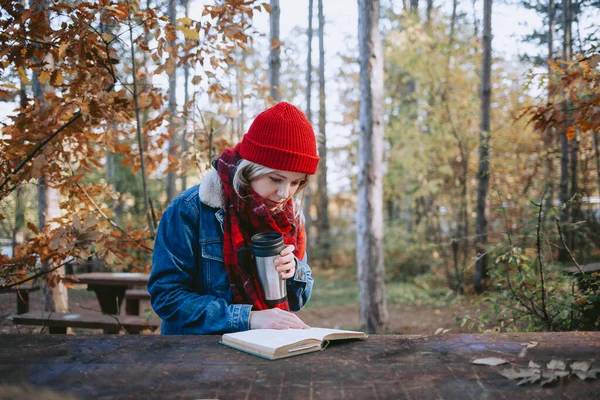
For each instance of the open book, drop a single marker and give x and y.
(274, 343)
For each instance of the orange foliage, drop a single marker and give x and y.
(577, 93)
(88, 112)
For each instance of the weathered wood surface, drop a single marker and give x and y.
(110, 287)
(132, 324)
(382, 367)
(22, 294)
(112, 278)
(588, 268)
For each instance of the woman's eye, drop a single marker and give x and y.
(276, 180)
(295, 183)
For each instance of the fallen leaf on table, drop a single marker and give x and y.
(489, 361)
(530, 344)
(581, 366)
(556, 364)
(512, 373)
(532, 379)
(552, 376)
(583, 375)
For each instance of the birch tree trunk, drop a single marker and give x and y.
(369, 216)
(171, 175)
(322, 197)
(563, 255)
(308, 190)
(484, 150)
(186, 94)
(274, 55)
(56, 298)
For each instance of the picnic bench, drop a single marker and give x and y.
(110, 287)
(132, 300)
(22, 293)
(590, 279)
(59, 322)
(381, 367)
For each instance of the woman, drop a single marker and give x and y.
(203, 280)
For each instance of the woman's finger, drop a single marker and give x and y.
(287, 250)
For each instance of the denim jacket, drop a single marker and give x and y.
(189, 287)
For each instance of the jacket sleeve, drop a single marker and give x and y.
(176, 263)
(299, 287)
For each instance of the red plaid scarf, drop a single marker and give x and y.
(245, 215)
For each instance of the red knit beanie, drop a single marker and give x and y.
(281, 138)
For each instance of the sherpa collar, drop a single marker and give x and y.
(211, 190)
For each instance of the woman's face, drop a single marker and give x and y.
(276, 187)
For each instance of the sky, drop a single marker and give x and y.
(509, 24)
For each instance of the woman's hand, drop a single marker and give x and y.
(275, 318)
(286, 263)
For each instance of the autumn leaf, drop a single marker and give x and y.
(77, 223)
(489, 361)
(32, 228)
(571, 132)
(44, 76)
(188, 33)
(185, 21)
(556, 364)
(57, 78)
(23, 75)
(581, 366)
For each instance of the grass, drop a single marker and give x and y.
(335, 288)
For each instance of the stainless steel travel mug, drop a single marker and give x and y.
(266, 247)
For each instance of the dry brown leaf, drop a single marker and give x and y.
(552, 376)
(556, 364)
(532, 379)
(591, 374)
(581, 366)
(512, 373)
(530, 345)
(489, 361)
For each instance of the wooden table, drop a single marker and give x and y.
(110, 287)
(22, 294)
(382, 367)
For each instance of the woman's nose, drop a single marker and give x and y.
(284, 191)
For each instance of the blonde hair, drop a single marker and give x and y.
(247, 171)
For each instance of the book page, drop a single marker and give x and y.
(276, 338)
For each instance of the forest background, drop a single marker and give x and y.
(489, 170)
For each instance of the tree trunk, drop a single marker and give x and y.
(484, 150)
(574, 147)
(597, 151)
(369, 216)
(19, 206)
(186, 79)
(549, 139)
(56, 298)
(429, 10)
(574, 144)
(322, 198)
(411, 5)
(414, 6)
(475, 20)
(563, 255)
(274, 57)
(171, 175)
(308, 190)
